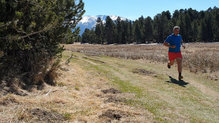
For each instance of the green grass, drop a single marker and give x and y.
(77, 88)
(67, 116)
(168, 102)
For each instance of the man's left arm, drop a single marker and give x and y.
(182, 44)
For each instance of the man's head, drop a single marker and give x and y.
(176, 30)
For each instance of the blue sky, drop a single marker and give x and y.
(133, 9)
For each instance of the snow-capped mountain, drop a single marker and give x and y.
(90, 21)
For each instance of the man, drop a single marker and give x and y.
(174, 42)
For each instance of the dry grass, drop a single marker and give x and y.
(198, 57)
(87, 88)
(168, 100)
(78, 97)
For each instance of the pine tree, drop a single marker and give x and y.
(188, 29)
(85, 36)
(119, 30)
(148, 31)
(203, 31)
(109, 30)
(215, 14)
(99, 31)
(175, 17)
(131, 35)
(209, 24)
(194, 31)
(138, 33)
(125, 31)
(31, 31)
(161, 27)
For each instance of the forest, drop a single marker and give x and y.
(196, 26)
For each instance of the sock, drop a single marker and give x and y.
(180, 74)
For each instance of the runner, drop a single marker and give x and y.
(174, 42)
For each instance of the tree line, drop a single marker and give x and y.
(196, 26)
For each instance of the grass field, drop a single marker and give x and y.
(198, 57)
(123, 83)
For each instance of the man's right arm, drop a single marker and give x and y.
(167, 45)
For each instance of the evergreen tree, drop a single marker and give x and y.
(215, 28)
(31, 31)
(125, 31)
(109, 30)
(175, 17)
(194, 31)
(99, 31)
(188, 29)
(209, 23)
(119, 30)
(181, 23)
(161, 27)
(148, 31)
(85, 36)
(131, 35)
(138, 33)
(89, 36)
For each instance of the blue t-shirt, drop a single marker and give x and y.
(174, 40)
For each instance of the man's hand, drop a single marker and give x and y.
(173, 46)
(183, 47)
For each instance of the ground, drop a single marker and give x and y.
(99, 88)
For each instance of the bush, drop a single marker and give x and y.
(30, 35)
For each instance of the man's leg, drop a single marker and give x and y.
(170, 63)
(179, 64)
(171, 59)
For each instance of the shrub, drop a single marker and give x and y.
(30, 35)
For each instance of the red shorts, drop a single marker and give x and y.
(173, 56)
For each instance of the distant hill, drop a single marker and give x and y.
(90, 21)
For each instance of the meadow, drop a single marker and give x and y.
(123, 83)
(197, 57)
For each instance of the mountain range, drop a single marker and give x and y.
(90, 21)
